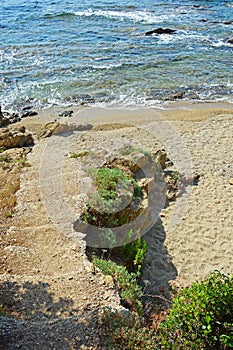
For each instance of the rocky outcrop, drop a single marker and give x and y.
(136, 207)
(11, 118)
(160, 31)
(15, 138)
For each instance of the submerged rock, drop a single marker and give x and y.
(160, 31)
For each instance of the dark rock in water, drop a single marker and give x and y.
(66, 114)
(161, 31)
(230, 40)
(3, 120)
(28, 114)
(174, 97)
(14, 118)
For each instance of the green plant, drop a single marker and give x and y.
(24, 162)
(114, 200)
(124, 331)
(108, 237)
(108, 180)
(201, 316)
(79, 155)
(134, 254)
(9, 214)
(126, 283)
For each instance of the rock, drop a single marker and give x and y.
(3, 120)
(174, 97)
(15, 138)
(161, 156)
(109, 281)
(147, 184)
(230, 40)
(66, 114)
(28, 114)
(137, 161)
(14, 118)
(48, 129)
(160, 31)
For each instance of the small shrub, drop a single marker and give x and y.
(134, 254)
(124, 331)
(126, 283)
(107, 180)
(201, 316)
(118, 195)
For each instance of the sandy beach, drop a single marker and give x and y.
(192, 237)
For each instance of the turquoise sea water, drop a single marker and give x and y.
(65, 52)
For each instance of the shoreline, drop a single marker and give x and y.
(174, 111)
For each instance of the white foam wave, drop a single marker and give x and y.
(135, 16)
(7, 55)
(106, 66)
(221, 43)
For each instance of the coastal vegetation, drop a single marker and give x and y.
(200, 317)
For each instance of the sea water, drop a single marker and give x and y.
(64, 52)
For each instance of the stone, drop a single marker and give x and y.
(109, 281)
(160, 31)
(137, 161)
(3, 120)
(29, 113)
(66, 114)
(174, 97)
(15, 138)
(14, 118)
(147, 184)
(48, 129)
(161, 157)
